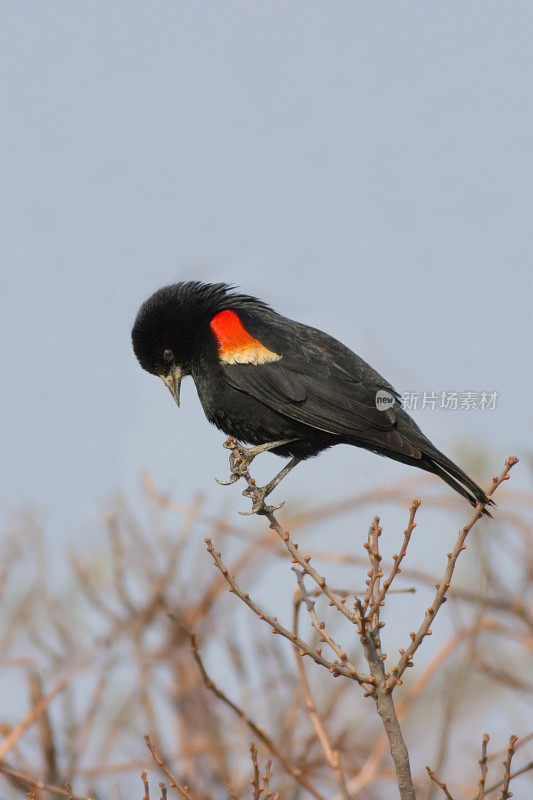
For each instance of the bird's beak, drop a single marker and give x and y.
(173, 382)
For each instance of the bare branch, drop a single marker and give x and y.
(398, 558)
(256, 787)
(483, 767)
(319, 626)
(332, 755)
(507, 769)
(33, 714)
(277, 627)
(293, 771)
(442, 786)
(442, 587)
(173, 782)
(28, 782)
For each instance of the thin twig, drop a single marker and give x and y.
(292, 548)
(334, 668)
(398, 558)
(144, 778)
(332, 755)
(507, 769)
(483, 767)
(33, 714)
(371, 766)
(173, 782)
(293, 771)
(444, 585)
(527, 768)
(256, 787)
(442, 786)
(29, 782)
(320, 626)
(46, 734)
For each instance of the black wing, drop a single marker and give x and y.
(319, 382)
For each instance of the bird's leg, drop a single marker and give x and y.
(257, 494)
(241, 457)
(239, 462)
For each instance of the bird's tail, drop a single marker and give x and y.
(432, 460)
(457, 479)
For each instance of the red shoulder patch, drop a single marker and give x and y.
(235, 344)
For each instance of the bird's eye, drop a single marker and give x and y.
(168, 356)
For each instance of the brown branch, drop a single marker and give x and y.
(386, 710)
(369, 639)
(371, 603)
(81, 736)
(442, 786)
(398, 558)
(266, 781)
(370, 768)
(145, 693)
(319, 626)
(335, 668)
(367, 611)
(502, 784)
(507, 769)
(144, 778)
(332, 756)
(289, 768)
(33, 714)
(483, 767)
(527, 768)
(256, 787)
(303, 561)
(46, 734)
(173, 782)
(453, 695)
(514, 606)
(236, 458)
(442, 587)
(28, 782)
(368, 614)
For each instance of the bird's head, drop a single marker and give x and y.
(182, 325)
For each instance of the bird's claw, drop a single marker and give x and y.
(257, 495)
(231, 480)
(247, 454)
(239, 461)
(260, 507)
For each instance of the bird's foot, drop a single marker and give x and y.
(257, 495)
(249, 453)
(241, 457)
(239, 462)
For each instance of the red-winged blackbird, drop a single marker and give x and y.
(264, 378)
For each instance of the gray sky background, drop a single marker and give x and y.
(364, 167)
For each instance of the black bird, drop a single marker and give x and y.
(269, 381)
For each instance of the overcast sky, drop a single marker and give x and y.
(364, 167)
